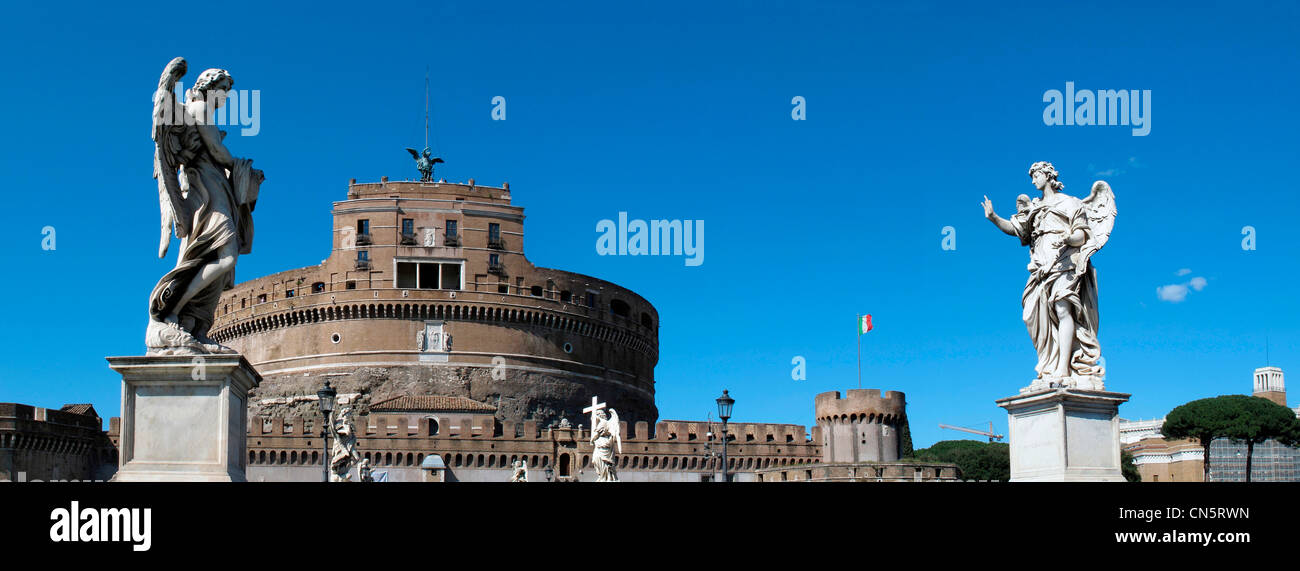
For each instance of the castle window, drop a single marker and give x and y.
(494, 231)
(428, 275)
(619, 307)
(352, 284)
(318, 287)
(243, 302)
(503, 287)
(261, 298)
(537, 291)
(363, 255)
(566, 296)
(363, 227)
(591, 299)
(288, 293)
(451, 228)
(408, 226)
(646, 322)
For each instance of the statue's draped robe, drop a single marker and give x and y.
(222, 205)
(1052, 279)
(602, 456)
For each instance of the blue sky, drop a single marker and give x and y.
(683, 111)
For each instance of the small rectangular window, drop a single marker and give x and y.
(451, 227)
(288, 293)
(318, 287)
(351, 285)
(363, 226)
(494, 231)
(408, 226)
(494, 259)
(363, 255)
(261, 298)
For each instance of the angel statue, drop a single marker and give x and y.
(1060, 298)
(344, 452)
(604, 438)
(424, 163)
(208, 196)
(519, 471)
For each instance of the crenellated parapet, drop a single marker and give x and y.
(477, 441)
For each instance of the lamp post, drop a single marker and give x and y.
(326, 402)
(724, 412)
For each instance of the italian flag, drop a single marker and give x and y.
(864, 323)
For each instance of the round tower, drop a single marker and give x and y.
(862, 426)
(427, 292)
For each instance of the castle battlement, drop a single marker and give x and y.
(859, 403)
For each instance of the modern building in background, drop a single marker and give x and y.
(1183, 460)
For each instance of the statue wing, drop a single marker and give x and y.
(1101, 211)
(414, 153)
(436, 160)
(615, 430)
(168, 131)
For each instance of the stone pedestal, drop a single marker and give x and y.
(184, 418)
(1065, 435)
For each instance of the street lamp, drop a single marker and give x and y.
(326, 402)
(724, 412)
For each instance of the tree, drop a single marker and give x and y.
(1237, 417)
(1128, 467)
(976, 460)
(1259, 419)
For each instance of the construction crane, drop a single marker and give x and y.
(992, 437)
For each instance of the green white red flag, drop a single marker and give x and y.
(864, 323)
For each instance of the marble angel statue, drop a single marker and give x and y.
(605, 437)
(207, 196)
(1060, 298)
(344, 451)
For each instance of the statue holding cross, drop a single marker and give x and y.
(605, 436)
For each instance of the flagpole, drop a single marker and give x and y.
(859, 327)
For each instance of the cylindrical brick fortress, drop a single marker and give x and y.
(863, 426)
(427, 292)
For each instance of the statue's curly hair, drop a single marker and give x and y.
(206, 81)
(1047, 169)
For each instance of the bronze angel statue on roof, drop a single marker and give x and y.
(206, 196)
(424, 163)
(1060, 298)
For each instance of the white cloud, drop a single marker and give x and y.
(1177, 293)
(1173, 293)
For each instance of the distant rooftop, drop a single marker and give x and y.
(430, 403)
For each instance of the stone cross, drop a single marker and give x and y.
(595, 406)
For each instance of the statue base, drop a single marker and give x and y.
(1065, 435)
(184, 418)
